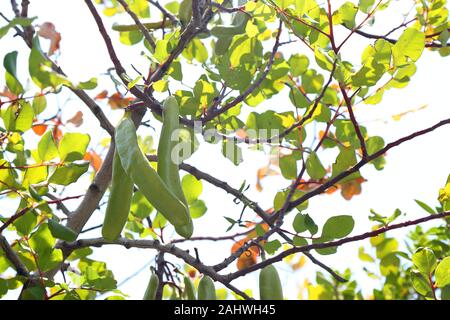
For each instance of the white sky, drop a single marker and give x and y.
(414, 170)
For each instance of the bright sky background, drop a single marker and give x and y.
(414, 170)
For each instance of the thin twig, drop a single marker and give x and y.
(141, 27)
(256, 84)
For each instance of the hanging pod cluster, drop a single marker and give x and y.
(131, 167)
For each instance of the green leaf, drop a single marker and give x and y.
(10, 64)
(40, 69)
(88, 85)
(26, 223)
(312, 82)
(42, 240)
(299, 64)
(442, 273)
(425, 207)
(424, 260)
(311, 225)
(18, 118)
(314, 167)
(272, 246)
(33, 293)
(386, 247)
(322, 59)
(196, 50)
(192, 187)
(421, 284)
(346, 15)
(363, 256)
(68, 173)
(47, 149)
(73, 146)
(197, 208)
(131, 84)
(130, 38)
(288, 167)
(445, 293)
(366, 5)
(299, 241)
(369, 74)
(345, 160)
(338, 227)
(389, 264)
(374, 144)
(299, 223)
(244, 49)
(35, 175)
(18, 21)
(140, 207)
(409, 46)
(39, 104)
(61, 232)
(324, 251)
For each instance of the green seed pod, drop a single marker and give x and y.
(270, 284)
(149, 25)
(189, 290)
(119, 202)
(206, 289)
(168, 168)
(152, 287)
(145, 177)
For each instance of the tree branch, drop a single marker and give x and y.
(12, 256)
(361, 163)
(164, 248)
(164, 12)
(348, 102)
(335, 243)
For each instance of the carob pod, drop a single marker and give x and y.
(152, 287)
(146, 178)
(206, 289)
(168, 168)
(270, 284)
(119, 201)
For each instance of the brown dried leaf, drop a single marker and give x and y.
(77, 119)
(47, 30)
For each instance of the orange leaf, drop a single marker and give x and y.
(253, 233)
(101, 95)
(94, 159)
(8, 94)
(77, 119)
(261, 174)
(351, 188)
(238, 244)
(244, 262)
(39, 129)
(57, 133)
(117, 101)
